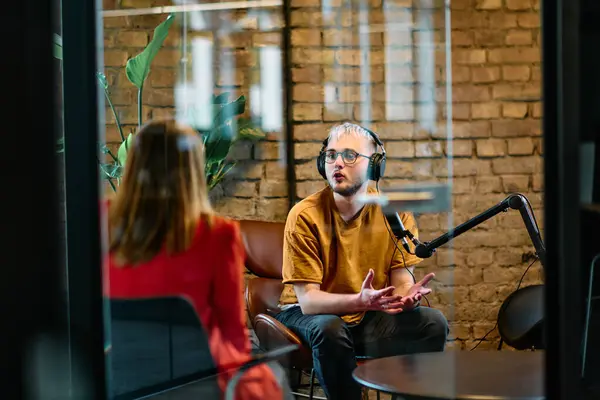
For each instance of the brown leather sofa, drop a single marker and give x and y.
(264, 254)
(263, 242)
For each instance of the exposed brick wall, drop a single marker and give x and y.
(257, 187)
(495, 146)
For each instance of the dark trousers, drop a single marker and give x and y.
(335, 344)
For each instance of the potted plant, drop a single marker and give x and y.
(226, 129)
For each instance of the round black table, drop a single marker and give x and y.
(463, 375)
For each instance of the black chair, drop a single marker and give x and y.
(159, 344)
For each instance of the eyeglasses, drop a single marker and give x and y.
(348, 156)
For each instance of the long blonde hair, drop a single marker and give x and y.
(163, 195)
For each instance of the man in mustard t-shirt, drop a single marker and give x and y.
(349, 290)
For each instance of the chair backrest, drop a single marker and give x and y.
(157, 344)
(264, 255)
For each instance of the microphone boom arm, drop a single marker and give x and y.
(513, 201)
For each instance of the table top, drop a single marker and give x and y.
(464, 375)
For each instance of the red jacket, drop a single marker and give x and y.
(210, 275)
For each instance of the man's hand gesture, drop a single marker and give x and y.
(416, 292)
(370, 299)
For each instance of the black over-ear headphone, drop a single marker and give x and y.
(376, 161)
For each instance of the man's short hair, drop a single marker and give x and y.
(348, 128)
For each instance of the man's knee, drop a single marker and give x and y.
(329, 329)
(436, 324)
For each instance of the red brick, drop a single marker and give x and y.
(517, 91)
(240, 189)
(488, 38)
(488, 184)
(466, 93)
(501, 20)
(488, 4)
(132, 38)
(309, 93)
(403, 149)
(518, 5)
(160, 97)
(485, 110)
(516, 72)
(306, 170)
(162, 77)
(306, 151)
(529, 20)
(305, 3)
(395, 130)
(273, 188)
(307, 112)
(115, 58)
(514, 55)
(515, 128)
(467, 19)
(462, 38)
(485, 74)
(536, 110)
(490, 147)
(515, 183)
(473, 56)
(338, 112)
(306, 19)
(460, 148)
(268, 151)
(306, 37)
(514, 110)
(472, 129)
(471, 167)
(306, 188)
(428, 149)
(311, 132)
(460, 111)
(520, 146)
(272, 209)
(306, 56)
(516, 165)
(519, 37)
(240, 208)
(309, 74)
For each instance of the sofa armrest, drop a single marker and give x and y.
(272, 334)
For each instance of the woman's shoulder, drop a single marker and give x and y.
(220, 228)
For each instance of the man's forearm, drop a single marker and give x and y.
(319, 302)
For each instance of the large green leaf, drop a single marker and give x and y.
(221, 98)
(57, 48)
(216, 172)
(138, 67)
(248, 130)
(224, 113)
(218, 142)
(123, 148)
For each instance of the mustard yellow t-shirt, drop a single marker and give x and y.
(320, 247)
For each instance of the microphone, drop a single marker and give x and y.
(398, 229)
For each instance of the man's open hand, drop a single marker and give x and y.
(370, 299)
(416, 293)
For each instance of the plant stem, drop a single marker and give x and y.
(112, 185)
(140, 106)
(112, 107)
(115, 159)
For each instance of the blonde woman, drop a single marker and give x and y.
(166, 241)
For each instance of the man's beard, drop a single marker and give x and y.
(348, 191)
